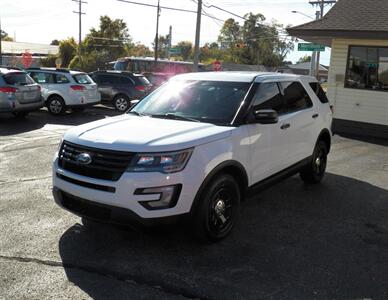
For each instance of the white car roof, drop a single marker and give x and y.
(240, 76)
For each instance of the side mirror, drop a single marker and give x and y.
(266, 116)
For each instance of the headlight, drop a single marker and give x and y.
(168, 162)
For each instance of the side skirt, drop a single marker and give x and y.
(268, 182)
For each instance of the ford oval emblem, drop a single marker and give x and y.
(83, 158)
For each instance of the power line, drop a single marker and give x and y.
(166, 7)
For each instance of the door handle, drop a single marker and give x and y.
(285, 126)
(315, 116)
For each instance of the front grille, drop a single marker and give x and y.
(105, 164)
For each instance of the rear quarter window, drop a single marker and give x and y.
(18, 78)
(318, 90)
(83, 79)
(142, 80)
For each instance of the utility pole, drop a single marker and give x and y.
(1, 55)
(169, 43)
(320, 14)
(197, 36)
(80, 13)
(157, 32)
(314, 55)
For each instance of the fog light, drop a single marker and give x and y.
(168, 196)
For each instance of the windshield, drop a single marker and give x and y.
(205, 101)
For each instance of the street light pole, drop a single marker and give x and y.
(197, 37)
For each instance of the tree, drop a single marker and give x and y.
(140, 50)
(67, 51)
(230, 36)
(111, 39)
(304, 59)
(186, 49)
(5, 37)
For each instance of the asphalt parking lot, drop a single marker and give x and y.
(293, 241)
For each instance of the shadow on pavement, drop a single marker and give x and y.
(293, 241)
(9, 125)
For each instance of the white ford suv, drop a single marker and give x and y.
(193, 148)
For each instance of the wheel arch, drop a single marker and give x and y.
(232, 167)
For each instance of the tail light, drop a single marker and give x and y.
(140, 88)
(39, 88)
(77, 87)
(332, 109)
(8, 90)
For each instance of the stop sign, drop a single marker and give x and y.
(26, 59)
(217, 66)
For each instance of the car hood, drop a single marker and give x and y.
(145, 134)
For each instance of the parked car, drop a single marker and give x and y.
(157, 79)
(194, 148)
(19, 94)
(120, 87)
(62, 89)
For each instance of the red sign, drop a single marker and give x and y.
(217, 67)
(26, 59)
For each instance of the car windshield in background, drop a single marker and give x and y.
(18, 79)
(205, 101)
(82, 79)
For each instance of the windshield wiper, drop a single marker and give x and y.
(175, 117)
(137, 113)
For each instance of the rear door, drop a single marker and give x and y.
(27, 90)
(297, 122)
(104, 83)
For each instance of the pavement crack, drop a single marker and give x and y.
(2, 182)
(136, 280)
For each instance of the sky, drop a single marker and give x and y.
(42, 21)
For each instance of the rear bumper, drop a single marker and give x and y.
(108, 213)
(15, 106)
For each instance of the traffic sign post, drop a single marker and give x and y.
(217, 66)
(311, 47)
(26, 59)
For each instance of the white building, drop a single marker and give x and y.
(357, 32)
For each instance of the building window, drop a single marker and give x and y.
(367, 68)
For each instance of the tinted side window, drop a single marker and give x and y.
(295, 97)
(125, 80)
(268, 97)
(60, 78)
(103, 79)
(41, 77)
(316, 87)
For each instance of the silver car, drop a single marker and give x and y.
(62, 89)
(19, 94)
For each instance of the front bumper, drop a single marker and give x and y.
(121, 194)
(107, 213)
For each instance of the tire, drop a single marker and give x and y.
(56, 105)
(218, 209)
(315, 171)
(121, 103)
(20, 114)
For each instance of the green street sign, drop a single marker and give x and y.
(176, 51)
(310, 47)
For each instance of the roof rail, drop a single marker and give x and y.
(50, 69)
(11, 68)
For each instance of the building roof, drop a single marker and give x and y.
(363, 19)
(34, 49)
(306, 66)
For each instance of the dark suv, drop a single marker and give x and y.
(120, 87)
